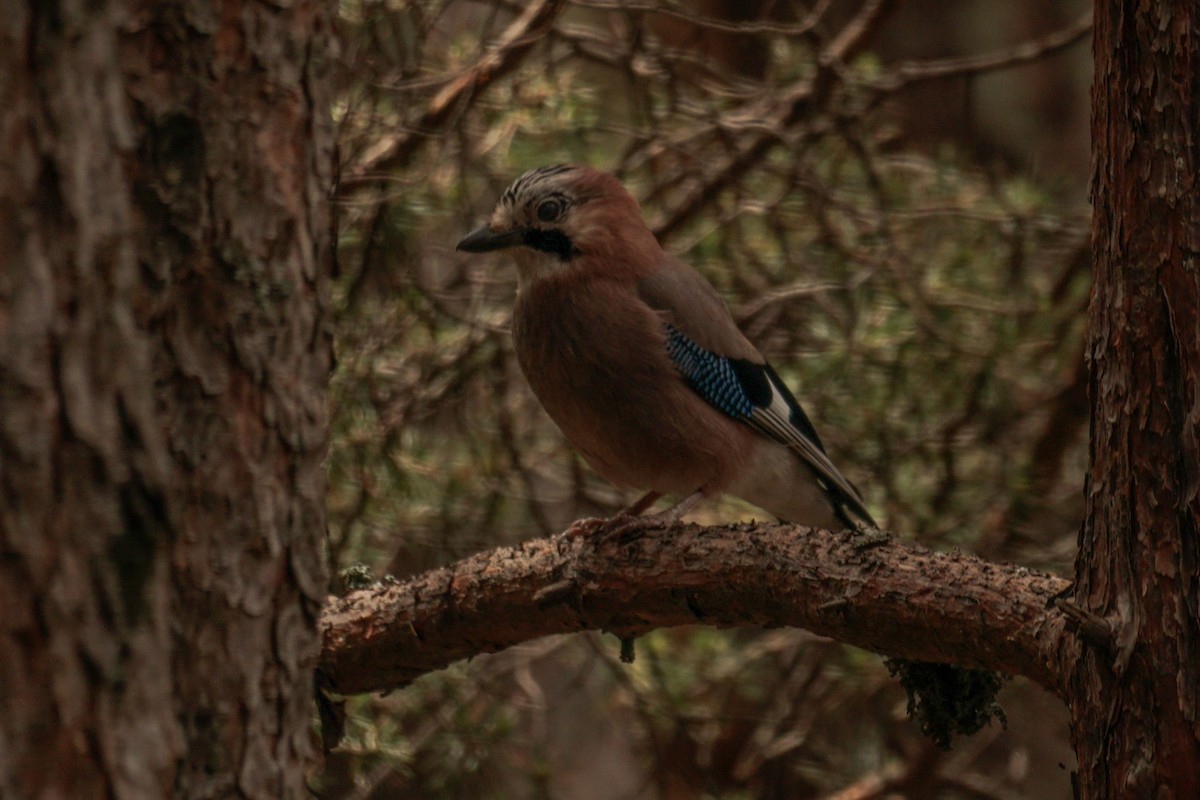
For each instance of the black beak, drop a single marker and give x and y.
(485, 239)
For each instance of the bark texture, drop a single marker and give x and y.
(1134, 704)
(885, 598)
(163, 360)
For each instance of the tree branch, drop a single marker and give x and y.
(890, 598)
(460, 91)
(780, 113)
(915, 71)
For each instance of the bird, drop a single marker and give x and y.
(639, 362)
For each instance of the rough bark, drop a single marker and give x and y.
(1134, 704)
(888, 598)
(163, 360)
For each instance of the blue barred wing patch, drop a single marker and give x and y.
(711, 376)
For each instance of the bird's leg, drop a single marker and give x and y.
(589, 526)
(641, 504)
(628, 528)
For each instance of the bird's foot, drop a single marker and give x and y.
(628, 524)
(630, 528)
(588, 526)
(624, 527)
(593, 526)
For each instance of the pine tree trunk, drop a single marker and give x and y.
(164, 246)
(1135, 704)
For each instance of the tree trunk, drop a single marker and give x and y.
(164, 238)
(1134, 705)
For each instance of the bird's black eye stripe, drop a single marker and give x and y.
(550, 209)
(550, 241)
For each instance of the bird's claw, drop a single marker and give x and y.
(630, 528)
(587, 527)
(622, 527)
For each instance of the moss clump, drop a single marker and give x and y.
(946, 700)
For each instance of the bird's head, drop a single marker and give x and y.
(553, 218)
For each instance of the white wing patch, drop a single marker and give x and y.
(774, 420)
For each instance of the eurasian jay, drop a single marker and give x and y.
(639, 362)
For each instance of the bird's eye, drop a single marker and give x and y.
(550, 210)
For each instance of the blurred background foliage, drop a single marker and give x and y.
(890, 194)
